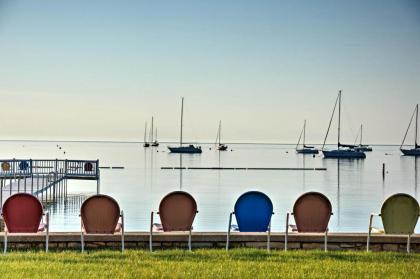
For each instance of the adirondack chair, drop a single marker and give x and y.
(100, 214)
(23, 213)
(399, 214)
(253, 211)
(312, 212)
(177, 211)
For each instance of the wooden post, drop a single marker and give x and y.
(383, 171)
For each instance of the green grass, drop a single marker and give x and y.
(237, 263)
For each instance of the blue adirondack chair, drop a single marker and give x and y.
(253, 211)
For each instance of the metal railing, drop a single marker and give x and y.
(46, 179)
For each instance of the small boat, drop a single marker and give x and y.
(343, 151)
(190, 149)
(416, 150)
(306, 149)
(362, 147)
(145, 144)
(154, 142)
(220, 146)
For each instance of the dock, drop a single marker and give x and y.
(241, 168)
(45, 179)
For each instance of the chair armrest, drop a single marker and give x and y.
(371, 219)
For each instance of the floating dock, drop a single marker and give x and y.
(241, 168)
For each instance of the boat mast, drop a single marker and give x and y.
(182, 119)
(304, 133)
(151, 131)
(329, 124)
(339, 117)
(220, 130)
(417, 119)
(156, 134)
(361, 133)
(145, 131)
(415, 112)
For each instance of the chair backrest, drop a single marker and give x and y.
(399, 214)
(312, 212)
(100, 214)
(253, 211)
(22, 213)
(177, 211)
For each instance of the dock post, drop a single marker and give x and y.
(383, 171)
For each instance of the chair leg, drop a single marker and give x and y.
(228, 232)
(326, 241)
(82, 242)
(5, 242)
(122, 231)
(369, 233)
(47, 240)
(408, 243)
(189, 240)
(268, 236)
(122, 241)
(151, 233)
(287, 232)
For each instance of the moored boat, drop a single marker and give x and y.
(343, 151)
(190, 149)
(306, 149)
(220, 146)
(416, 150)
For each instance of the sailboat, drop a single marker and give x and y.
(190, 149)
(362, 147)
(145, 144)
(155, 142)
(416, 150)
(343, 151)
(220, 146)
(306, 149)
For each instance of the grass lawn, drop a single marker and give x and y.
(237, 263)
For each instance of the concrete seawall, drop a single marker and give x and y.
(140, 240)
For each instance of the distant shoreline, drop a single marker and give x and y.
(175, 142)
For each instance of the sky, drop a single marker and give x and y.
(97, 70)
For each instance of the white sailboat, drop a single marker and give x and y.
(416, 150)
(152, 140)
(155, 142)
(362, 147)
(146, 143)
(220, 146)
(306, 149)
(343, 151)
(190, 149)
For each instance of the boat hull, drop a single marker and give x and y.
(411, 152)
(222, 147)
(307, 151)
(185, 149)
(363, 148)
(344, 154)
(146, 145)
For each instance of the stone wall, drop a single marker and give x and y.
(140, 240)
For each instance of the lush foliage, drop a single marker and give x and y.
(237, 263)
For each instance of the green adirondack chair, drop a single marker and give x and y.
(399, 214)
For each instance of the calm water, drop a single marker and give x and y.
(355, 188)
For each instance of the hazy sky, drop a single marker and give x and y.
(99, 69)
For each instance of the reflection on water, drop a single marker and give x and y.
(355, 187)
